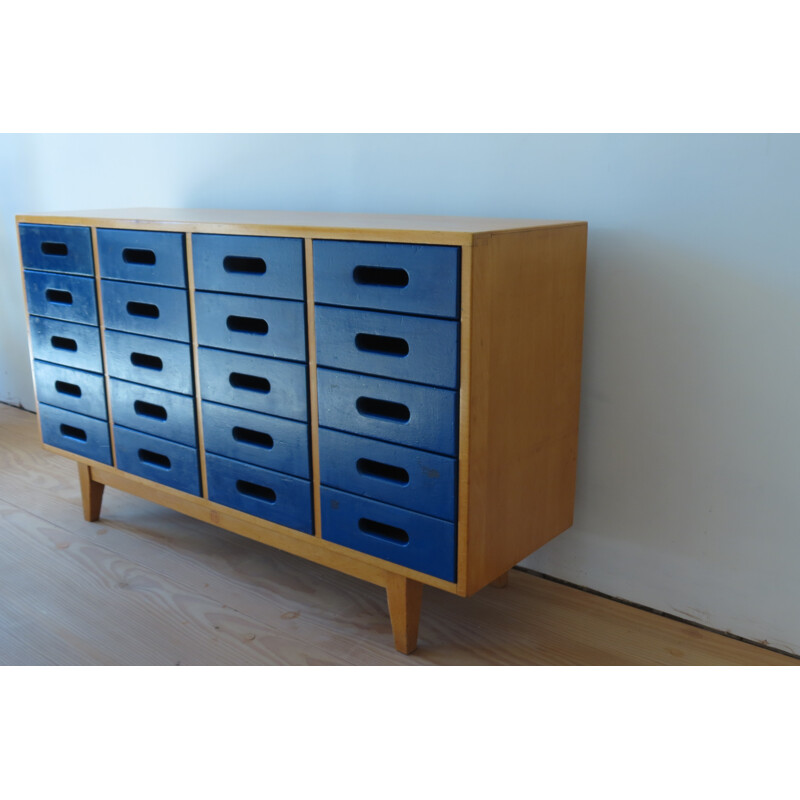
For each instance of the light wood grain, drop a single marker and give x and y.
(404, 598)
(91, 493)
(102, 330)
(527, 322)
(466, 335)
(124, 605)
(501, 582)
(311, 224)
(313, 406)
(198, 399)
(147, 585)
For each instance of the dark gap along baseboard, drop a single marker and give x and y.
(631, 603)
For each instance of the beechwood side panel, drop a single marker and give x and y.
(524, 394)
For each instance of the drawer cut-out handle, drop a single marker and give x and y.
(71, 432)
(136, 309)
(246, 265)
(257, 438)
(133, 255)
(386, 472)
(144, 409)
(147, 361)
(247, 325)
(59, 296)
(62, 387)
(256, 490)
(383, 531)
(154, 459)
(392, 277)
(55, 249)
(61, 343)
(252, 383)
(385, 345)
(383, 409)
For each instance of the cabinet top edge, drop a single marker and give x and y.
(299, 222)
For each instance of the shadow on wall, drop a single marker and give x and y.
(16, 382)
(689, 440)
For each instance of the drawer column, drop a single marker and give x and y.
(67, 358)
(387, 321)
(148, 342)
(250, 315)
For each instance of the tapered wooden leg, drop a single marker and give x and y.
(91, 493)
(501, 582)
(405, 604)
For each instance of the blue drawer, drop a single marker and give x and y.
(393, 345)
(58, 296)
(255, 325)
(403, 537)
(263, 493)
(271, 442)
(76, 433)
(149, 310)
(142, 256)
(265, 266)
(56, 248)
(66, 343)
(157, 460)
(414, 279)
(72, 389)
(413, 479)
(152, 362)
(258, 384)
(154, 411)
(404, 413)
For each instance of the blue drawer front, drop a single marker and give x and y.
(142, 256)
(263, 266)
(71, 389)
(278, 498)
(56, 248)
(255, 325)
(258, 384)
(403, 537)
(58, 296)
(271, 442)
(154, 411)
(76, 433)
(393, 345)
(149, 310)
(66, 343)
(157, 460)
(152, 362)
(415, 279)
(404, 413)
(412, 479)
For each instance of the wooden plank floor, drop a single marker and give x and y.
(148, 586)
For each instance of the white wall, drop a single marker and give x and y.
(688, 477)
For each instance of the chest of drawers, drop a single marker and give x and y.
(393, 397)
